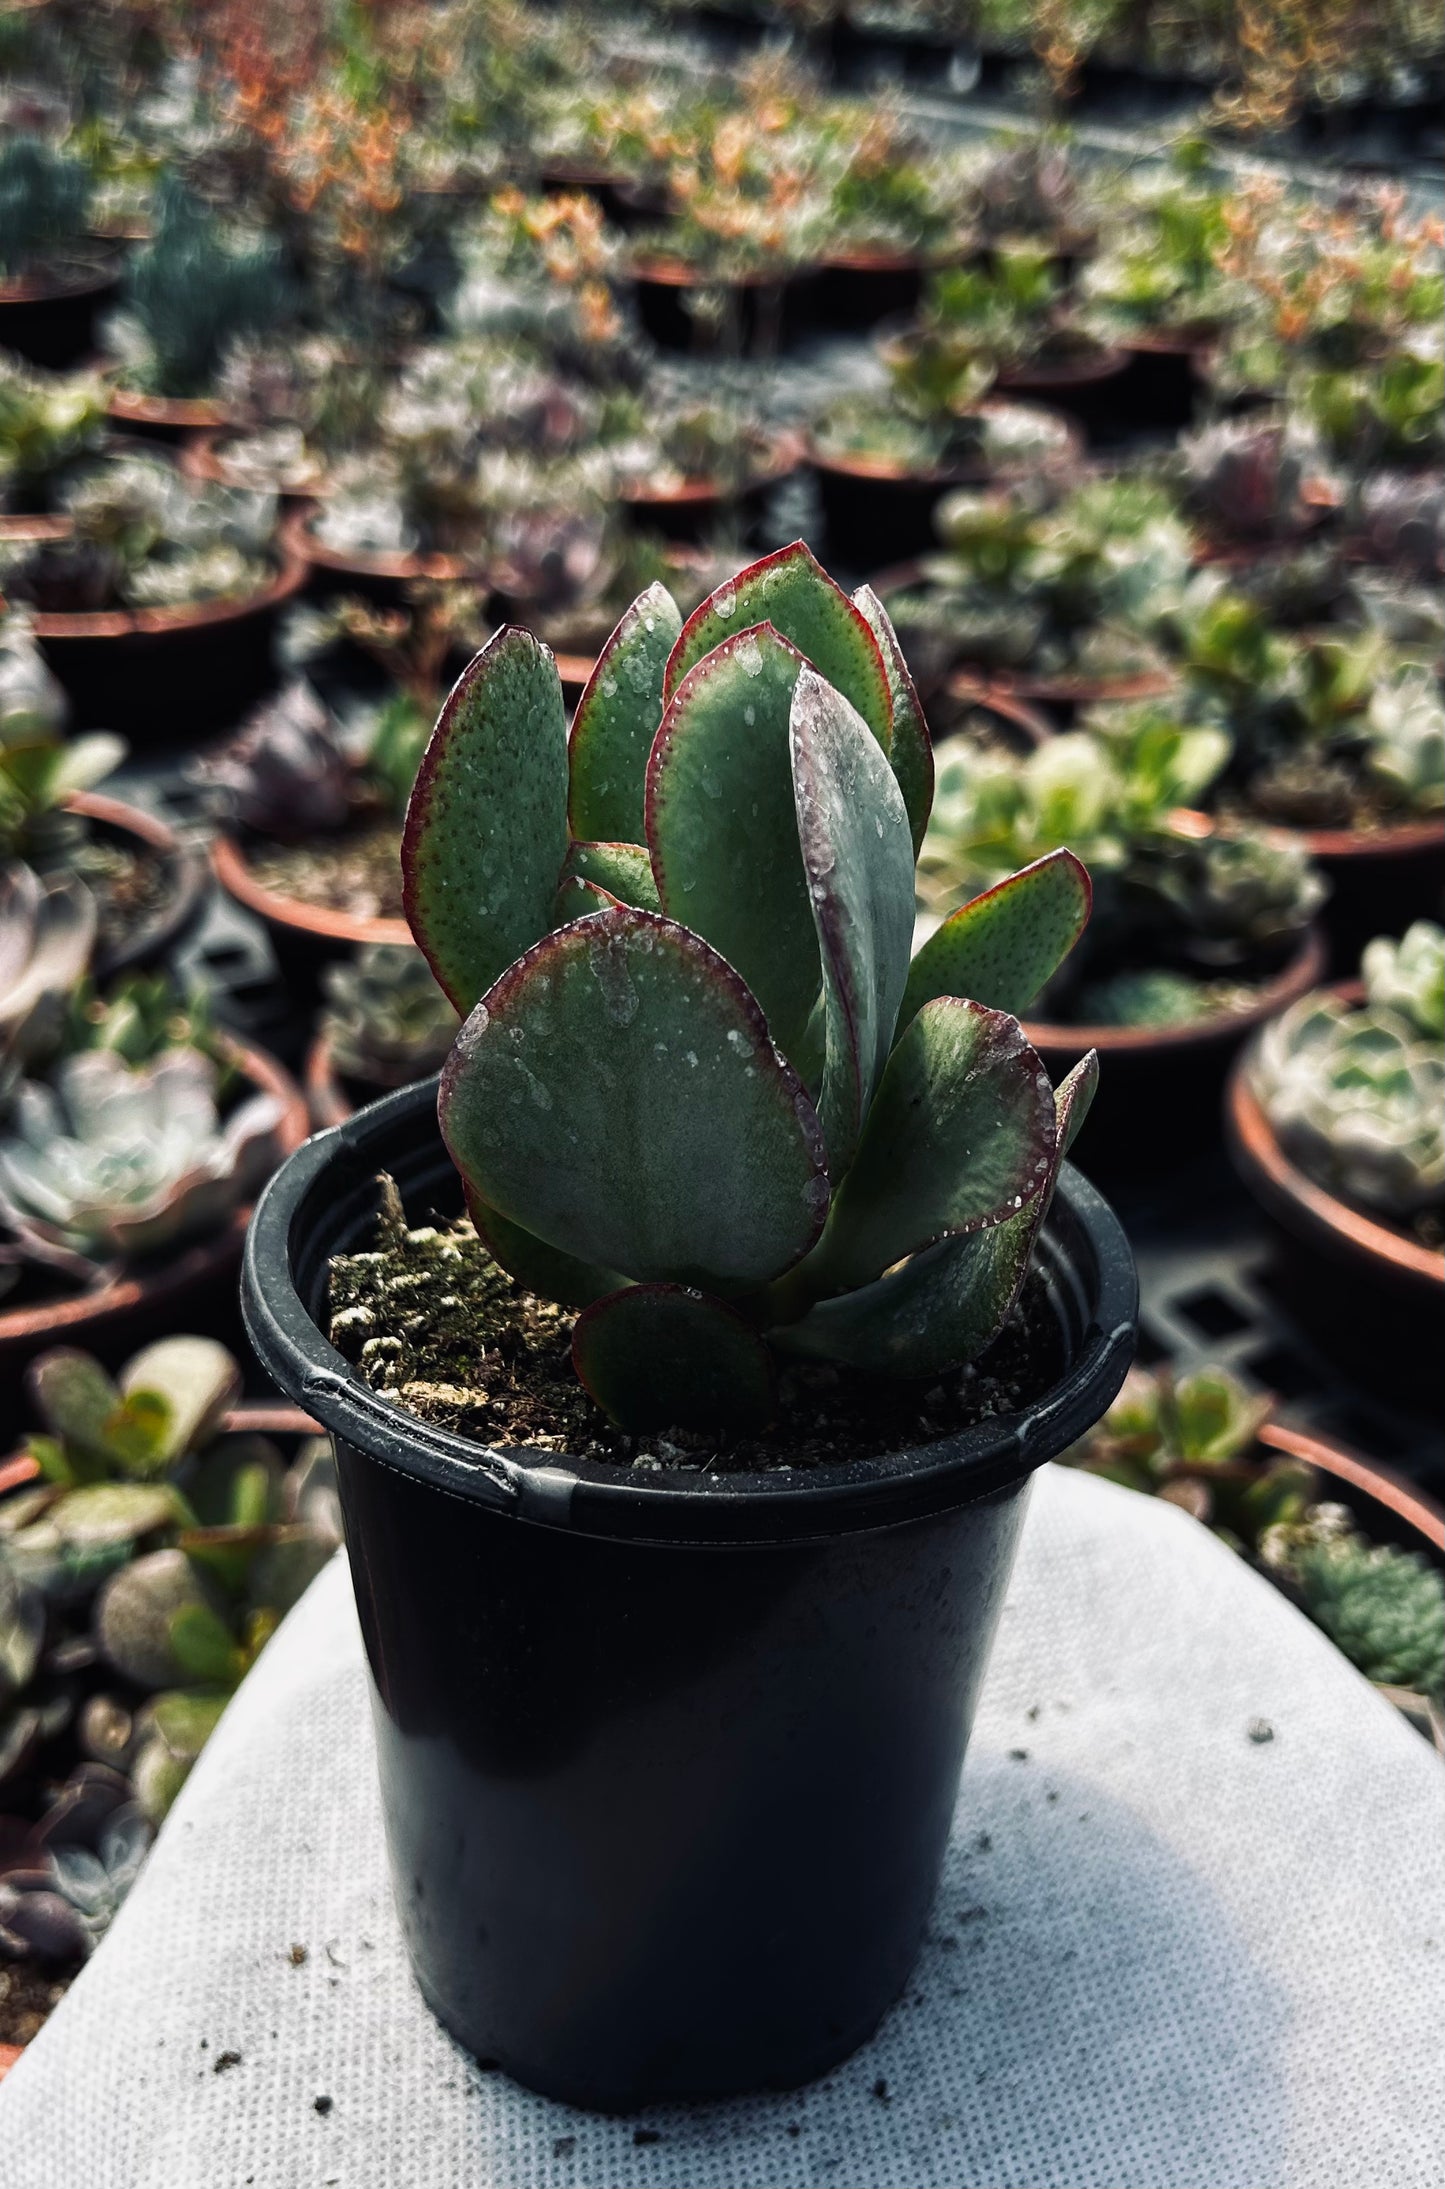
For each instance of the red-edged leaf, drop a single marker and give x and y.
(486, 830)
(545, 1270)
(616, 1094)
(617, 718)
(792, 592)
(1003, 946)
(664, 1357)
(911, 750)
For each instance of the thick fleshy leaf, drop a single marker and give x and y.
(943, 1306)
(911, 750)
(664, 1357)
(486, 830)
(1002, 947)
(575, 899)
(197, 1379)
(616, 1094)
(960, 1136)
(722, 825)
(617, 718)
(791, 591)
(80, 1405)
(858, 860)
(623, 871)
(545, 1270)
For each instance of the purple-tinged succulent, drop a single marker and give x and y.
(1255, 479)
(286, 774)
(704, 1092)
(47, 933)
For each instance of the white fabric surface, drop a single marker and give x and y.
(1179, 1957)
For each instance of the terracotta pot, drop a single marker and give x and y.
(379, 577)
(1024, 729)
(304, 937)
(166, 417)
(1389, 1507)
(878, 511)
(194, 1291)
(1159, 1086)
(203, 456)
(689, 510)
(50, 319)
(161, 675)
(9, 2054)
(767, 311)
(171, 921)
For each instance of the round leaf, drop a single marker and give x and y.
(663, 1357)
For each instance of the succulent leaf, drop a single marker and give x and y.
(911, 746)
(1073, 1099)
(195, 1379)
(543, 1269)
(617, 1094)
(204, 1647)
(576, 898)
(490, 804)
(661, 1356)
(794, 594)
(1003, 946)
(623, 872)
(960, 1137)
(858, 860)
(722, 825)
(617, 718)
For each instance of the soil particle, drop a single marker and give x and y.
(430, 1320)
(224, 2060)
(297, 1956)
(1260, 1730)
(881, 2091)
(27, 1995)
(563, 2146)
(644, 2136)
(323, 2106)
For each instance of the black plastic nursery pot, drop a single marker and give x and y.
(667, 1763)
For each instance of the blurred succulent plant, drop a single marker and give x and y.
(106, 1161)
(59, 1906)
(1253, 479)
(1405, 731)
(1384, 1607)
(386, 1021)
(1164, 269)
(1077, 587)
(47, 933)
(40, 768)
(189, 290)
(286, 773)
(1355, 1095)
(1400, 519)
(981, 323)
(44, 196)
(765, 771)
(1392, 412)
(1028, 186)
(46, 420)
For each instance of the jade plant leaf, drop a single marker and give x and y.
(545, 1270)
(662, 1357)
(196, 1380)
(960, 1136)
(204, 1646)
(486, 830)
(623, 871)
(1003, 946)
(80, 1403)
(722, 825)
(911, 748)
(858, 860)
(617, 718)
(791, 591)
(576, 898)
(618, 1096)
(942, 1306)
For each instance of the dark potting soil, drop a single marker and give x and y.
(358, 873)
(28, 1993)
(130, 887)
(431, 1320)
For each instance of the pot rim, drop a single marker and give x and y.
(71, 1315)
(1396, 1492)
(1309, 1210)
(1304, 971)
(1104, 363)
(563, 1491)
(664, 271)
(179, 413)
(782, 457)
(298, 539)
(233, 871)
(202, 457)
(892, 471)
(84, 626)
(50, 287)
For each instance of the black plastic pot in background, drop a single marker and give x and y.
(756, 318)
(668, 1767)
(55, 325)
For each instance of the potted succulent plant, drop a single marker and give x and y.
(884, 459)
(685, 467)
(151, 1538)
(385, 1024)
(54, 274)
(1198, 934)
(190, 289)
(763, 1416)
(1359, 1549)
(1337, 735)
(145, 580)
(47, 421)
(295, 405)
(1061, 602)
(890, 207)
(1334, 1121)
(1254, 484)
(147, 886)
(128, 1158)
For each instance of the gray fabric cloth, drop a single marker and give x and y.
(1164, 1953)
